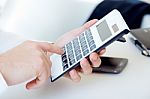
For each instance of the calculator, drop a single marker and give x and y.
(110, 28)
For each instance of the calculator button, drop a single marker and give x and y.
(85, 52)
(69, 46)
(70, 57)
(91, 43)
(72, 62)
(81, 36)
(64, 60)
(77, 52)
(85, 47)
(65, 64)
(79, 57)
(88, 32)
(65, 67)
(76, 47)
(92, 47)
(83, 42)
(89, 38)
(76, 44)
(75, 40)
(64, 57)
(64, 54)
(70, 51)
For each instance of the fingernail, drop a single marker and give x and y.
(95, 59)
(95, 65)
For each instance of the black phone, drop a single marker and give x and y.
(111, 65)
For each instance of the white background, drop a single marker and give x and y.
(45, 19)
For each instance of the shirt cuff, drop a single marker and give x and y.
(3, 84)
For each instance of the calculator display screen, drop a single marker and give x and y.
(103, 30)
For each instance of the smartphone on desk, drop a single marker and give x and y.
(107, 30)
(112, 65)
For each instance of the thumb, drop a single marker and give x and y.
(89, 24)
(49, 47)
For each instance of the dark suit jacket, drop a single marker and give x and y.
(132, 12)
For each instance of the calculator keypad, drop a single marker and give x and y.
(90, 40)
(77, 49)
(64, 61)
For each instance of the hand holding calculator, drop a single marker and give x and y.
(104, 32)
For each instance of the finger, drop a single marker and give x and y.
(95, 60)
(35, 83)
(31, 84)
(49, 47)
(74, 75)
(78, 69)
(102, 52)
(66, 75)
(86, 67)
(81, 29)
(39, 81)
(89, 24)
(74, 33)
(86, 26)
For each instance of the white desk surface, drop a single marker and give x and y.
(132, 83)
